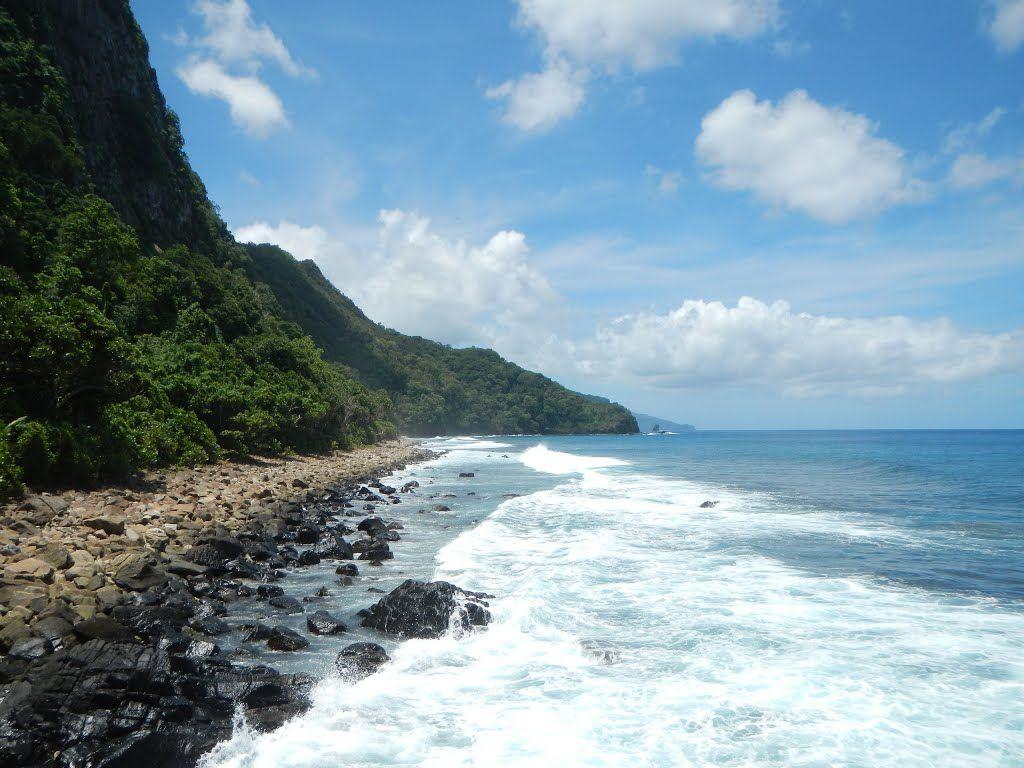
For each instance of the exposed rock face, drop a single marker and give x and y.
(421, 609)
(111, 703)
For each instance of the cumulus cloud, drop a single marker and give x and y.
(801, 155)
(581, 39)
(706, 343)
(232, 36)
(1006, 25)
(536, 102)
(231, 39)
(971, 171)
(253, 105)
(420, 282)
(642, 34)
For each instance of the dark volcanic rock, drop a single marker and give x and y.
(709, 504)
(323, 623)
(372, 526)
(332, 546)
(360, 660)
(101, 627)
(286, 604)
(378, 550)
(419, 609)
(307, 534)
(140, 573)
(284, 639)
(467, 474)
(106, 704)
(309, 557)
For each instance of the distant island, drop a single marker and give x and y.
(648, 423)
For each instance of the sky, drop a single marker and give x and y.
(733, 213)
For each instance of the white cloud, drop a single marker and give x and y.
(301, 242)
(643, 34)
(422, 283)
(248, 178)
(971, 171)
(1006, 26)
(254, 107)
(581, 39)
(968, 133)
(755, 344)
(231, 36)
(231, 39)
(536, 102)
(801, 155)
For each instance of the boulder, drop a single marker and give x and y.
(139, 573)
(372, 526)
(307, 533)
(709, 504)
(359, 660)
(105, 524)
(286, 604)
(467, 474)
(333, 546)
(308, 557)
(101, 627)
(55, 555)
(323, 623)
(284, 639)
(377, 551)
(421, 609)
(31, 568)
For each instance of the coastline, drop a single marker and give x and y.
(111, 601)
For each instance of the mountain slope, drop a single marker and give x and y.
(436, 389)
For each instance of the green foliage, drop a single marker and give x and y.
(436, 389)
(115, 354)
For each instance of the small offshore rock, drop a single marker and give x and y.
(709, 504)
(286, 604)
(421, 609)
(360, 660)
(284, 639)
(323, 623)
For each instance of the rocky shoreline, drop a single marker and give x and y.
(112, 603)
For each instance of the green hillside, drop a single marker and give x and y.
(436, 389)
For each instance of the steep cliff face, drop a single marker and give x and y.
(129, 139)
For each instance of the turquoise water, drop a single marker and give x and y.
(853, 599)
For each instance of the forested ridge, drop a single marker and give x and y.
(135, 332)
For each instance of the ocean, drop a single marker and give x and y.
(849, 598)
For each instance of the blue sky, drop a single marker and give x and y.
(738, 213)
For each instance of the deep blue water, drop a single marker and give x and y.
(852, 599)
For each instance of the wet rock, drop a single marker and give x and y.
(360, 660)
(308, 557)
(372, 526)
(333, 546)
(467, 474)
(265, 591)
(108, 704)
(420, 609)
(409, 486)
(101, 627)
(442, 508)
(347, 569)
(211, 625)
(709, 504)
(255, 631)
(29, 649)
(286, 604)
(323, 623)
(377, 551)
(284, 639)
(307, 533)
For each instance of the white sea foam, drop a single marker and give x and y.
(726, 657)
(543, 459)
